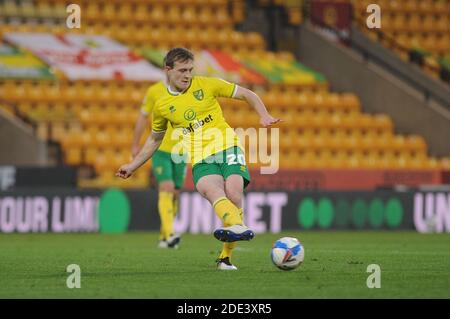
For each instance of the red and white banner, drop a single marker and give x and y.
(87, 56)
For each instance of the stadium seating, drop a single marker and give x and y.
(94, 120)
(412, 27)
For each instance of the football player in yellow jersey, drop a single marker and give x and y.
(170, 175)
(218, 164)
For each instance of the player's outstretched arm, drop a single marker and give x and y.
(151, 145)
(138, 131)
(254, 100)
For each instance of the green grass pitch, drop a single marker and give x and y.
(130, 266)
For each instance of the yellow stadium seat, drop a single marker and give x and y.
(72, 156)
(340, 159)
(365, 122)
(221, 16)
(403, 40)
(370, 160)
(142, 13)
(443, 44)
(325, 159)
(399, 143)
(75, 140)
(442, 23)
(90, 155)
(70, 93)
(255, 40)
(189, 15)
(222, 38)
(399, 22)
(35, 94)
(237, 38)
(303, 101)
(286, 100)
(440, 6)
(387, 162)
(156, 36)
(348, 122)
(416, 143)
(411, 6)
(173, 15)
(123, 139)
(238, 11)
(93, 11)
(350, 101)
(205, 16)
(383, 122)
(125, 13)
(300, 142)
(414, 22)
(445, 163)
(417, 162)
(331, 101)
(432, 163)
(304, 160)
(102, 139)
(428, 23)
(253, 119)
(157, 14)
(314, 101)
(108, 12)
(106, 176)
(25, 107)
(271, 99)
(425, 6)
(103, 161)
(207, 39)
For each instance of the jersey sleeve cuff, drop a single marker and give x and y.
(234, 90)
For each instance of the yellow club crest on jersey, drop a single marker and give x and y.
(198, 94)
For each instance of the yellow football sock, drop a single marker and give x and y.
(227, 211)
(165, 207)
(227, 249)
(175, 206)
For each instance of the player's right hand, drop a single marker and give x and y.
(124, 171)
(268, 120)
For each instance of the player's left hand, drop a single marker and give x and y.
(268, 120)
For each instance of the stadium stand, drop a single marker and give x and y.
(419, 31)
(93, 120)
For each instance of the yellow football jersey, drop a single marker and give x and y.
(153, 93)
(196, 117)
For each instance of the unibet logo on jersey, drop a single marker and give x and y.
(195, 125)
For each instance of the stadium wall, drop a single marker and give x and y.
(115, 211)
(379, 90)
(18, 143)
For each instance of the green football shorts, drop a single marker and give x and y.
(165, 169)
(228, 162)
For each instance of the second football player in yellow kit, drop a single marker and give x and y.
(169, 174)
